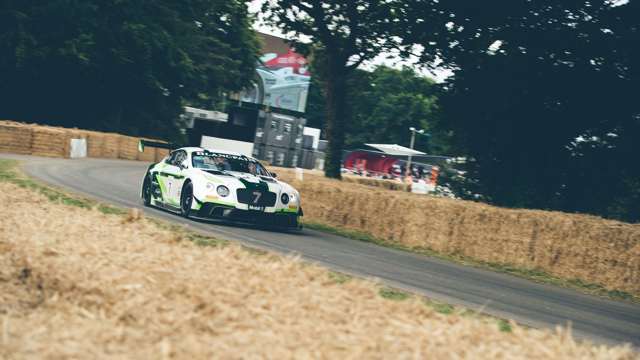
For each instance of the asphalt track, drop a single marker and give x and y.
(529, 303)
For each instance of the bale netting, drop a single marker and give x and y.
(569, 246)
(15, 138)
(48, 142)
(128, 148)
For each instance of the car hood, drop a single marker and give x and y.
(246, 180)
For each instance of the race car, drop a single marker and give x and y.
(215, 184)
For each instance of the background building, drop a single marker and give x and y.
(266, 121)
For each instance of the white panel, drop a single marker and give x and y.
(312, 132)
(214, 143)
(78, 148)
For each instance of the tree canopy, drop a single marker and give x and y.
(383, 104)
(343, 35)
(543, 99)
(120, 66)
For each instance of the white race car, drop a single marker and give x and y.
(215, 184)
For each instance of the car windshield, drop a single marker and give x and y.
(227, 162)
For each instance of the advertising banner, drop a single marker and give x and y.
(284, 77)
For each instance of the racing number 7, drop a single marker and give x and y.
(256, 195)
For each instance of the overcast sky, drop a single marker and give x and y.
(395, 62)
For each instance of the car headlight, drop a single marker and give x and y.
(223, 191)
(284, 198)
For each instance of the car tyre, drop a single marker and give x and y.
(186, 199)
(146, 191)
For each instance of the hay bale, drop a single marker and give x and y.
(160, 154)
(15, 138)
(149, 153)
(111, 146)
(569, 246)
(128, 148)
(95, 144)
(48, 142)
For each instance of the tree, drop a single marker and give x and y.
(343, 35)
(542, 99)
(120, 66)
(383, 104)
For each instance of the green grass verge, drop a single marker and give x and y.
(393, 294)
(536, 275)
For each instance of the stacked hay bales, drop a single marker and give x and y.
(128, 147)
(148, 154)
(111, 146)
(95, 144)
(15, 138)
(569, 246)
(32, 139)
(49, 142)
(386, 184)
(72, 134)
(160, 154)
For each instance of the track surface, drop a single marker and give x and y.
(526, 302)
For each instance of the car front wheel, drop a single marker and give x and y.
(186, 199)
(146, 191)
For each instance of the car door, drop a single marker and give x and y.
(173, 177)
(165, 176)
(179, 169)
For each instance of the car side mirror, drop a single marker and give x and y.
(183, 165)
(274, 175)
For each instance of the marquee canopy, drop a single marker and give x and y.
(395, 149)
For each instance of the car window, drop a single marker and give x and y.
(177, 157)
(180, 158)
(171, 158)
(226, 162)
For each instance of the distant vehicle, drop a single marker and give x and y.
(214, 184)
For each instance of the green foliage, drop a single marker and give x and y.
(393, 294)
(541, 99)
(117, 65)
(339, 278)
(383, 105)
(343, 34)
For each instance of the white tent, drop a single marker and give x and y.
(394, 149)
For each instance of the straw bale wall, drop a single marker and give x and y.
(39, 140)
(161, 153)
(95, 144)
(48, 142)
(149, 153)
(128, 148)
(15, 138)
(566, 245)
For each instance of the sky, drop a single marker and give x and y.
(387, 59)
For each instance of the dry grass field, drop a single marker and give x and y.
(79, 283)
(567, 246)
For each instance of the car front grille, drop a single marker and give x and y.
(256, 197)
